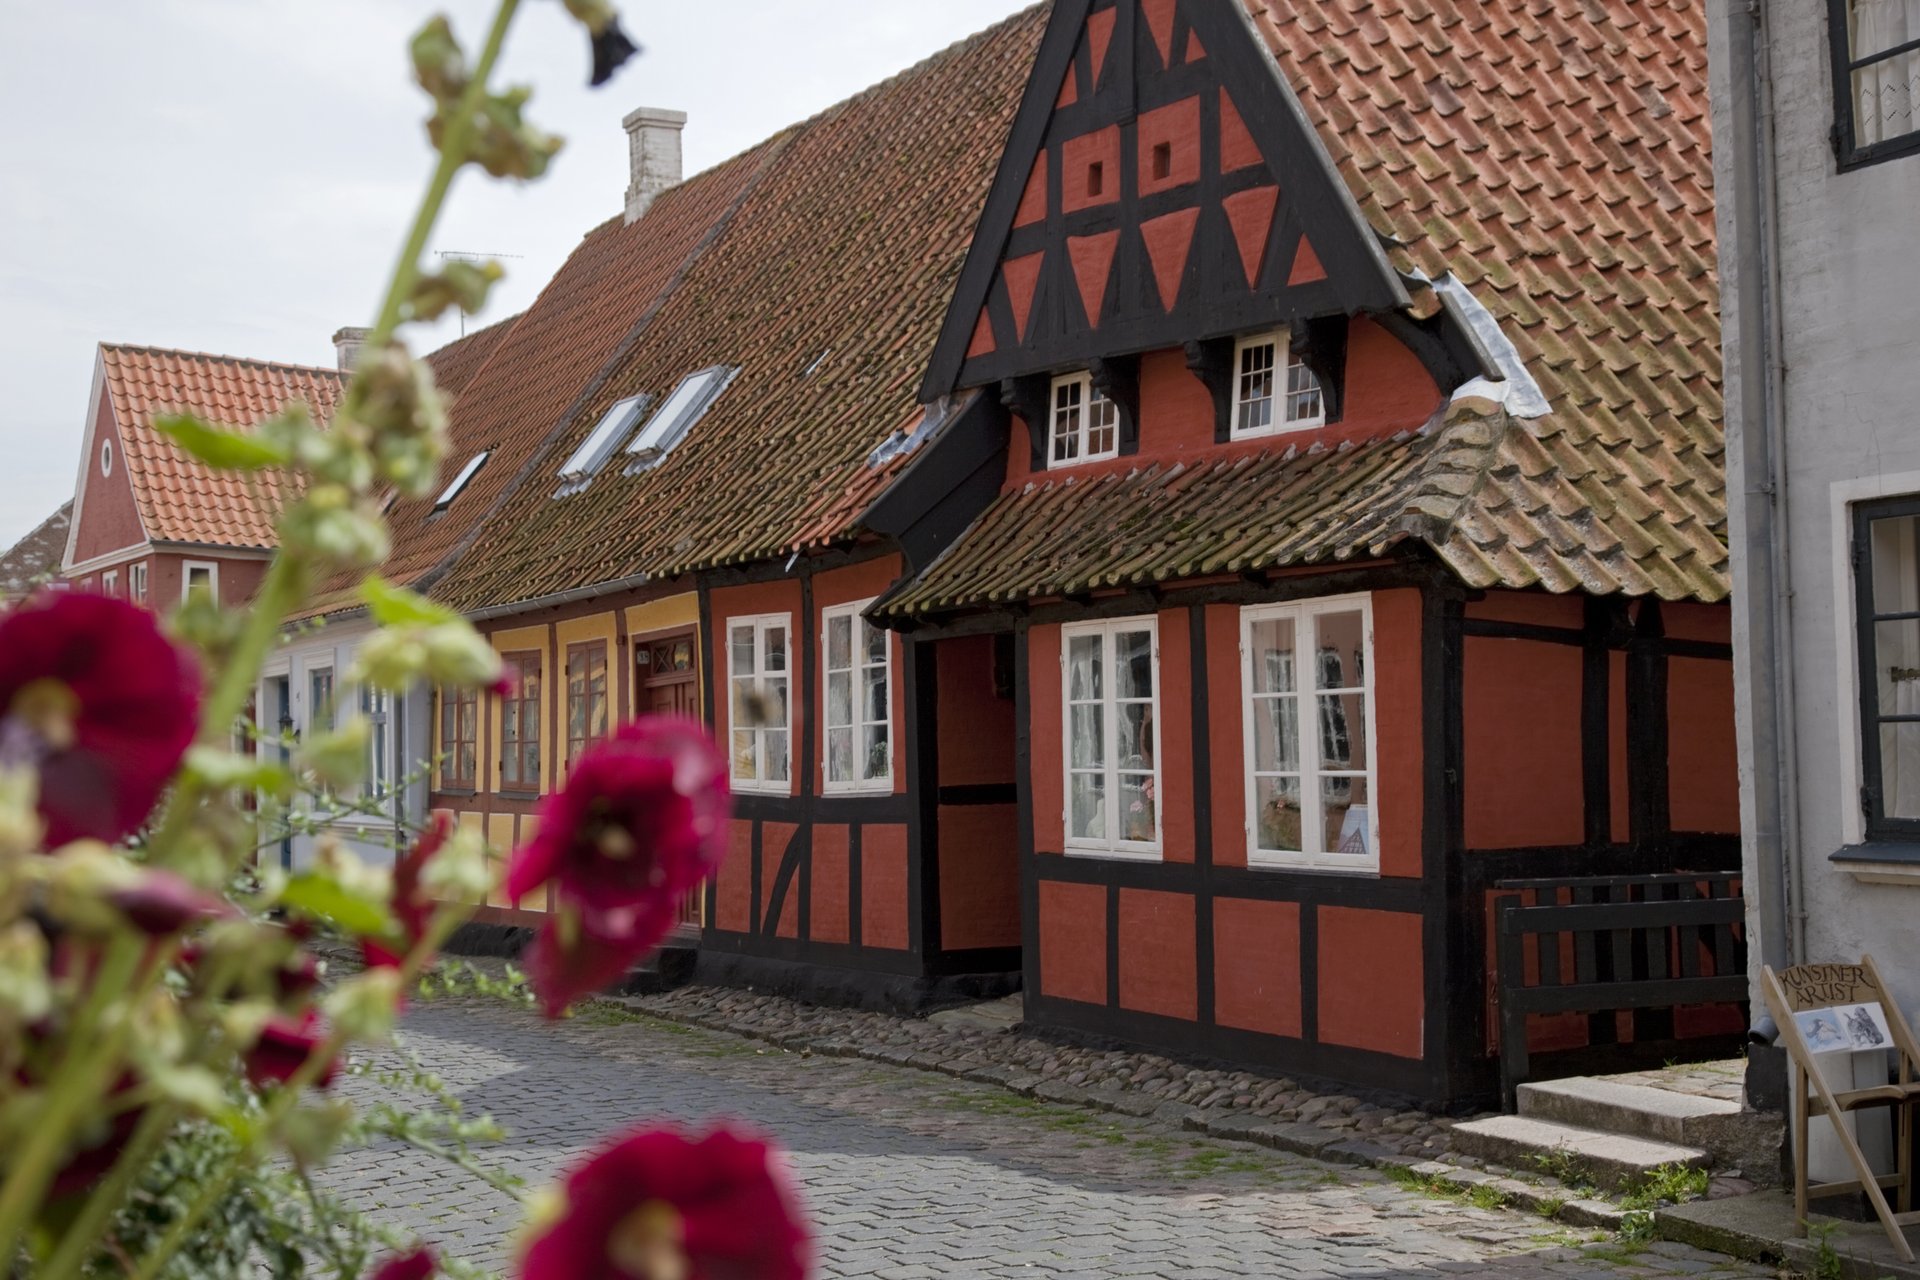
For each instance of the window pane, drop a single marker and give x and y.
(1273, 656)
(774, 695)
(1103, 425)
(1303, 394)
(742, 650)
(467, 761)
(1343, 731)
(776, 643)
(1133, 664)
(776, 755)
(874, 700)
(1136, 807)
(1896, 654)
(877, 764)
(469, 722)
(1344, 801)
(1134, 721)
(1886, 95)
(876, 643)
(1341, 662)
(1086, 807)
(840, 755)
(1088, 730)
(839, 643)
(531, 777)
(1083, 668)
(1276, 735)
(743, 766)
(840, 698)
(510, 719)
(1277, 814)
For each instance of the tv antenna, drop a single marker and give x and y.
(468, 255)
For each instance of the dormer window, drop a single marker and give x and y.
(1265, 401)
(585, 462)
(1086, 425)
(452, 491)
(670, 424)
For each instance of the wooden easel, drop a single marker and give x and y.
(1806, 987)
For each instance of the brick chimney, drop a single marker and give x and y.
(653, 149)
(346, 346)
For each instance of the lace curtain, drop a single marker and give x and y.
(1886, 95)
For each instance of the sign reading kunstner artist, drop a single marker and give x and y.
(1851, 1027)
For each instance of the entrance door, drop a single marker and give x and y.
(667, 676)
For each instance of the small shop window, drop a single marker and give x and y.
(1307, 681)
(1886, 557)
(1086, 425)
(459, 737)
(1272, 390)
(586, 697)
(1111, 703)
(859, 701)
(759, 665)
(137, 583)
(1876, 75)
(520, 722)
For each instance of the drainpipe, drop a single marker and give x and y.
(1766, 606)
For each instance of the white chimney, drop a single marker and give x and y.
(346, 346)
(653, 150)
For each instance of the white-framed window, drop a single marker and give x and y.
(1086, 425)
(106, 457)
(377, 706)
(578, 471)
(1307, 687)
(110, 583)
(459, 481)
(137, 582)
(1266, 400)
(199, 575)
(759, 674)
(858, 701)
(1110, 706)
(676, 415)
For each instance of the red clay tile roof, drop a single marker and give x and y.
(455, 364)
(180, 499)
(840, 262)
(1553, 155)
(35, 557)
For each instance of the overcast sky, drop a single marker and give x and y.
(235, 175)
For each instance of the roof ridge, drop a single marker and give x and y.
(226, 359)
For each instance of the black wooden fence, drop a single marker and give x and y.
(1598, 944)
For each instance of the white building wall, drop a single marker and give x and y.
(1848, 251)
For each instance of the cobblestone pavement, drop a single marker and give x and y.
(908, 1174)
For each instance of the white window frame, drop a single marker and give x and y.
(137, 583)
(585, 462)
(1111, 846)
(186, 578)
(856, 652)
(110, 582)
(459, 481)
(377, 705)
(1304, 615)
(761, 624)
(1081, 430)
(684, 406)
(1280, 418)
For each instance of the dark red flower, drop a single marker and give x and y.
(659, 1205)
(95, 696)
(579, 951)
(642, 820)
(418, 1265)
(413, 907)
(284, 1046)
(161, 903)
(101, 1148)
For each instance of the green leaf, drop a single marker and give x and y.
(393, 606)
(223, 769)
(316, 894)
(223, 450)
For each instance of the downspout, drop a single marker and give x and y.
(1767, 601)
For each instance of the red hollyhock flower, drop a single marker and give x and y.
(418, 1265)
(412, 906)
(580, 951)
(284, 1046)
(95, 696)
(659, 1205)
(161, 903)
(642, 820)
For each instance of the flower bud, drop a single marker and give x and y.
(366, 1005)
(438, 65)
(460, 871)
(161, 903)
(20, 826)
(26, 992)
(337, 758)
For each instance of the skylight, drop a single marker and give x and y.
(586, 461)
(676, 416)
(452, 491)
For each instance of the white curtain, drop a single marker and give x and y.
(1886, 95)
(1896, 589)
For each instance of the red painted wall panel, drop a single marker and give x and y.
(976, 725)
(1400, 719)
(883, 886)
(828, 911)
(775, 839)
(733, 883)
(1227, 737)
(1157, 953)
(1371, 991)
(1712, 623)
(1073, 941)
(1522, 744)
(1176, 128)
(1702, 771)
(979, 876)
(1534, 608)
(1176, 737)
(1256, 965)
(1043, 700)
(1080, 188)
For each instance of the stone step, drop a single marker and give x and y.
(1530, 1145)
(1612, 1107)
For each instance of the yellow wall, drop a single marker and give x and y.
(521, 640)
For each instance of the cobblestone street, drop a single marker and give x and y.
(908, 1174)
